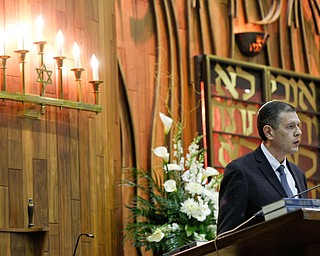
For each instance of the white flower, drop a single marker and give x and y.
(194, 188)
(186, 176)
(199, 237)
(209, 195)
(189, 207)
(167, 122)
(170, 186)
(174, 167)
(162, 152)
(175, 227)
(209, 172)
(156, 236)
(203, 211)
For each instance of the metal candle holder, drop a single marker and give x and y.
(40, 46)
(59, 60)
(96, 87)
(22, 56)
(77, 75)
(4, 67)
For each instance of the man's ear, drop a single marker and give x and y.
(268, 132)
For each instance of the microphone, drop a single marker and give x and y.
(305, 191)
(82, 234)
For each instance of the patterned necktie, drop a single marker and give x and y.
(284, 181)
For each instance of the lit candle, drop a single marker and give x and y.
(22, 33)
(76, 55)
(39, 28)
(59, 41)
(94, 66)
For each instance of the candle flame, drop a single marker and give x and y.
(39, 26)
(76, 55)
(94, 61)
(76, 49)
(59, 37)
(40, 22)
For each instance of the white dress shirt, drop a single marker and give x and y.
(275, 164)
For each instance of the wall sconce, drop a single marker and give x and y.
(44, 76)
(251, 43)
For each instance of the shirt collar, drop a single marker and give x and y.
(271, 159)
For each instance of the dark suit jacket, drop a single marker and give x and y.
(249, 183)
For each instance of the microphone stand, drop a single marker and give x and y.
(82, 234)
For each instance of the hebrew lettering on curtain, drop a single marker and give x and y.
(234, 91)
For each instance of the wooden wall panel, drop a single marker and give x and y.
(53, 177)
(40, 195)
(27, 157)
(4, 209)
(14, 142)
(61, 160)
(17, 202)
(4, 149)
(64, 183)
(5, 239)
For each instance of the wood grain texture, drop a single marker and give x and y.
(61, 160)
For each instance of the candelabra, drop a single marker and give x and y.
(44, 78)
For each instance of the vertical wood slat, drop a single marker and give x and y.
(64, 183)
(84, 174)
(53, 200)
(27, 156)
(93, 176)
(4, 209)
(4, 150)
(5, 248)
(74, 152)
(54, 237)
(40, 181)
(17, 203)
(14, 142)
(76, 221)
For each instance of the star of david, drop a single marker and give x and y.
(41, 77)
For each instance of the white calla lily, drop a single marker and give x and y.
(167, 122)
(210, 171)
(156, 236)
(170, 186)
(162, 152)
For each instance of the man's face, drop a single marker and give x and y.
(286, 138)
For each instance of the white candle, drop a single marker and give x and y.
(76, 55)
(39, 28)
(22, 35)
(94, 66)
(59, 41)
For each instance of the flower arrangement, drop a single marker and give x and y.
(180, 205)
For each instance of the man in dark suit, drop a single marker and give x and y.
(253, 180)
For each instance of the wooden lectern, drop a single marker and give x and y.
(295, 234)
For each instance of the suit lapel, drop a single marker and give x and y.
(267, 171)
